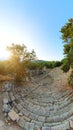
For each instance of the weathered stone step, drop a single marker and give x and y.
(58, 105)
(52, 99)
(59, 118)
(50, 119)
(57, 110)
(25, 125)
(67, 101)
(6, 97)
(62, 126)
(39, 126)
(54, 107)
(61, 98)
(12, 97)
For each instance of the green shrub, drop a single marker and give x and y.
(70, 79)
(65, 67)
(67, 37)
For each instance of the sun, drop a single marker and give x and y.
(4, 54)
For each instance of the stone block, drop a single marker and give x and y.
(62, 126)
(6, 108)
(12, 96)
(29, 126)
(1, 123)
(13, 115)
(21, 122)
(5, 100)
(71, 123)
(46, 128)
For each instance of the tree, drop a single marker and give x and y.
(19, 59)
(67, 37)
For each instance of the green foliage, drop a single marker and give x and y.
(70, 79)
(41, 64)
(65, 65)
(53, 64)
(67, 37)
(19, 59)
(20, 53)
(67, 31)
(66, 48)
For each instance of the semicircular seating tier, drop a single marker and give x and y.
(44, 104)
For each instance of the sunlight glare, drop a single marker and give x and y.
(4, 54)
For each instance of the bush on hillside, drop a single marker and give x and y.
(70, 79)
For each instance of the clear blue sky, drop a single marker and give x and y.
(36, 23)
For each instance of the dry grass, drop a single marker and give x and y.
(5, 78)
